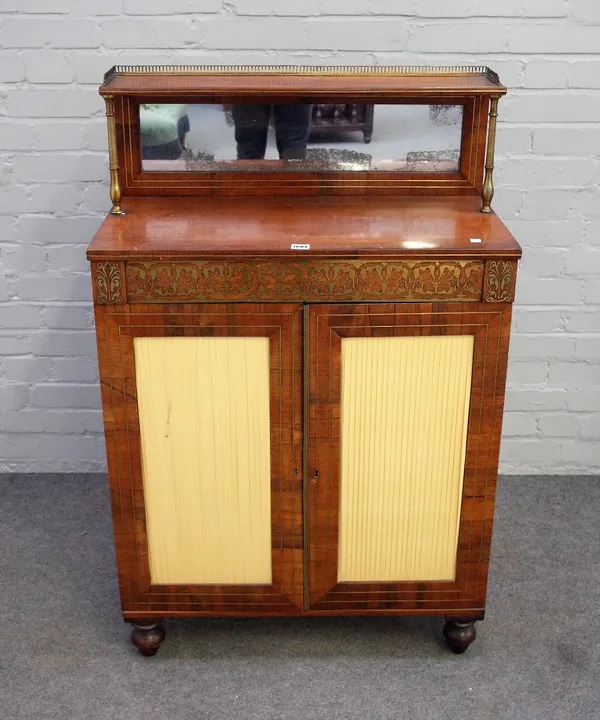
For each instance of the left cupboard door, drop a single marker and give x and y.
(203, 420)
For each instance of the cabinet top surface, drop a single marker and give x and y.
(396, 226)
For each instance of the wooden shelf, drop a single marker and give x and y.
(334, 226)
(314, 82)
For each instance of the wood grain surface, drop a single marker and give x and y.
(313, 85)
(399, 227)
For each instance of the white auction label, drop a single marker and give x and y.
(475, 240)
(300, 246)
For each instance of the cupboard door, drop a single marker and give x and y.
(404, 430)
(204, 438)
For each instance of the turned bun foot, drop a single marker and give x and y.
(147, 637)
(459, 635)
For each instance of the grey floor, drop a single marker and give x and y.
(64, 651)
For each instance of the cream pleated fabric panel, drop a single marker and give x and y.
(204, 420)
(405, 404)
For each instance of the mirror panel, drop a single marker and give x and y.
(295, 137)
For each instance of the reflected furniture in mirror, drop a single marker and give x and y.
(302, 342)
(163, 129)
(343, 119)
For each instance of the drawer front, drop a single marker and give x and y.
(304, 281)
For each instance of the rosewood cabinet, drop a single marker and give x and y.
(302, 390)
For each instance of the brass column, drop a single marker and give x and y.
(488, 184)
(115, 188)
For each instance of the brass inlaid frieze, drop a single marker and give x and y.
(108, 283)
(311, 281)
(500, 281)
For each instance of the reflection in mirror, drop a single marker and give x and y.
(296, 137)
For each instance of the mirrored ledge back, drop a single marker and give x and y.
(297, 137)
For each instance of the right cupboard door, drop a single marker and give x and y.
(404, 418)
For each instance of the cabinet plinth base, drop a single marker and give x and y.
(459, 635)
(148, 637)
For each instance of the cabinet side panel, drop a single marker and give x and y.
(205, 434)
(404, 417)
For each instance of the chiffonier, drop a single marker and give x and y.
(302, 343)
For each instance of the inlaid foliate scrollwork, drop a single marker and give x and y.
(500, 281)
(108, 283)
(310, 280)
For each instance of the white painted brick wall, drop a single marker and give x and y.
(53, 188)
